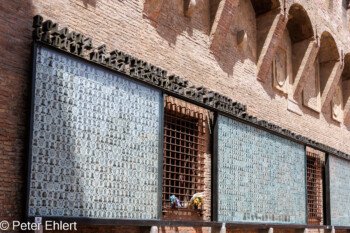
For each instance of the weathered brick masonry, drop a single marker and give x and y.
(201, 47)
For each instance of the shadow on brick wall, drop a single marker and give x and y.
(88, 3)
(347, 125)
(327, 114)
(231, 53)
(15, 59)
(170, 22)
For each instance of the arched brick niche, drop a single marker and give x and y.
(328, 49)
(329, 68)
(304, 52)
(323, 75)
(270, 24)
(269, 20)
(264, 6)
(302, 37)
(299, 24)
(294, 51)
(345, 84)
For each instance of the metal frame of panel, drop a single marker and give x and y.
(326, 193)
(31, 131)
(339, 190)
(214, 177)
(248, 211)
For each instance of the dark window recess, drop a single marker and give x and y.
(315, 187)
(184, 148)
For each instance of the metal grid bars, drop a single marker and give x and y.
(184, 148)
(315, 166)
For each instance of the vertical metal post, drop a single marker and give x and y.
(215, 173)
(160, 159)
(30, 133)
(328, 217)
(305, 167)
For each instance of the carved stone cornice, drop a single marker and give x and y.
(77, 44)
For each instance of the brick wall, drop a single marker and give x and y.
(15, 44)
(176, 43)
(105, 229)
(184, 230)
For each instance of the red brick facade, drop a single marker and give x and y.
(185, 46)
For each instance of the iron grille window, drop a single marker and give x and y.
(315, 166)
(184, 148)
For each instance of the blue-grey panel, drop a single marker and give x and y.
(95, 145)
(261, 177)
(339, 170)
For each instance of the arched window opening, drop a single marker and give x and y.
(340, 100)
(264, 6)
(328, 60)
(302, 36)
(266, 12)
(293, 47)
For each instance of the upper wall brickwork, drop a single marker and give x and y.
(165, 38)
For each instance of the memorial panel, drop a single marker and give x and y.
(95, 142)
(339, 171)
(261, 176)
